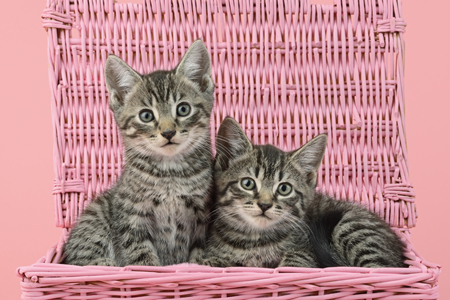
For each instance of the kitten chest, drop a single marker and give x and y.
(166, 208)
(174, 227)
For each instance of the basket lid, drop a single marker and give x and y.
(285, 76)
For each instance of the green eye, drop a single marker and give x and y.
(146, 115)
(248, 184)
(284, 189)
(183, 109)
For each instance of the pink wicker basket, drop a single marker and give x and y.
(287, 71)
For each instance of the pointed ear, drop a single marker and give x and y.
(231, 142)
(196, 66)
(120, 79)
(310, 156)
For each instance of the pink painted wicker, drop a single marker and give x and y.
(287, 71)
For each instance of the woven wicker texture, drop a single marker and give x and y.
(287, 71)
(48, 280)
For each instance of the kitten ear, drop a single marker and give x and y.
(120, 79)
(231, 142)
(196, 66)
(309, 157)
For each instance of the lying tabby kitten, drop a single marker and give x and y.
(268, 213)
(156, 212)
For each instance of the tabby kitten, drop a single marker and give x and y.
(156, 213)
(268, 213)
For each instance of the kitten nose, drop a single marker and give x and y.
(168, 134)
(264, 206)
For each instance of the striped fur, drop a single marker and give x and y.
(156, 213)
(346, 234)
(261, 227)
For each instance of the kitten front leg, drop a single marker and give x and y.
(219, 259)
(303, 258)
(91, 253)
(197, 249)
(197, 252)
(90, 243)
(198, 246)
(102, 262)
(138, 249)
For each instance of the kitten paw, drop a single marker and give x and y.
(107, 262)
(195, 260)
(149, 260)
(196, 256)
(297, 264)
(215, 263)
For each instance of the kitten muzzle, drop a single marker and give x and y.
(169, 143)
(168, 134)
(264, 206)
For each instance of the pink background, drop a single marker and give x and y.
(26, 174)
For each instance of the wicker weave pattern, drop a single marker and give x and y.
(287, 71)
(48, 280)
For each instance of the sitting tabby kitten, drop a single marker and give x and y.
(268, 213)
(156, 213)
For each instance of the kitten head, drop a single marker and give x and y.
(262, 186)
(164, 113)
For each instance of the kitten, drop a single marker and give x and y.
(268, 213)
(157, 211)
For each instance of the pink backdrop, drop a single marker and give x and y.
(27, 222)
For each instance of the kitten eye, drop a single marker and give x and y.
(284, 189)
(248, 184)
(183, 109)
(146, 115)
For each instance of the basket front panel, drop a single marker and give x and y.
(49, 280)
(286, 70)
